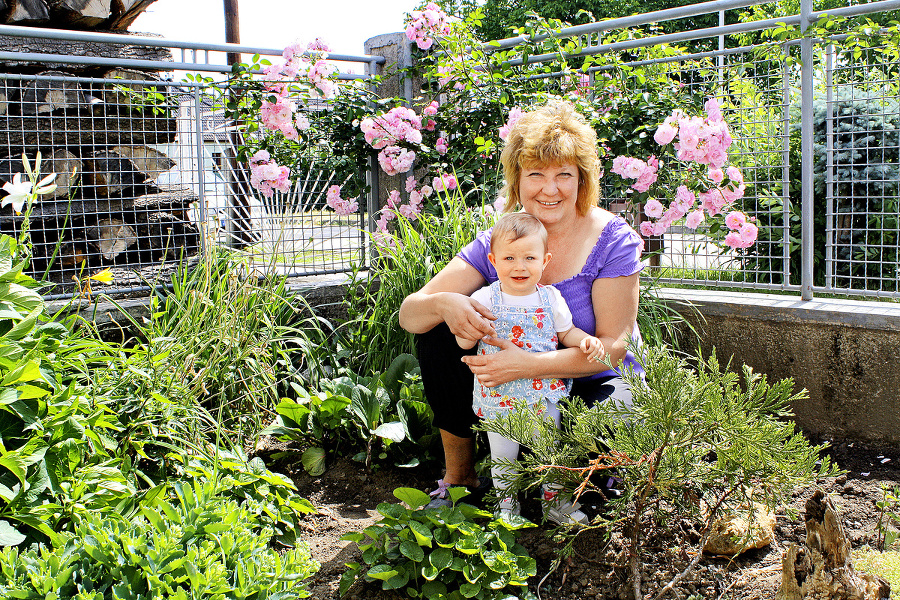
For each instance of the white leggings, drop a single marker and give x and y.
(502, 447)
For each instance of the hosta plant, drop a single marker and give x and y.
(452, 552)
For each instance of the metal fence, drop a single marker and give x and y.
(156, 181)
(146, 169)
(817, 131)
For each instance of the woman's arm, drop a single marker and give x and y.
(615, 302)
(445, 299)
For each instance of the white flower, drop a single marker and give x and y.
(19, 192)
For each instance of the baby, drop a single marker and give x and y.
(535, 318)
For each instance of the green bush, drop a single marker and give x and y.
(201, 545)
(444, 553)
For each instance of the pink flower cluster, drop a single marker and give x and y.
(308, 61)
(742, 232)
(268, 176)
(512, 118)
(395, 160)
(700, 140)
(339, 205)
(398, 125)
(444, 182)
(395, 206)
(645, 173)
(426, 24)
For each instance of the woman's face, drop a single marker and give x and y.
(549, 192)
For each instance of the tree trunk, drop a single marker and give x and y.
(45, 96)
(823, 568)
(80, 13)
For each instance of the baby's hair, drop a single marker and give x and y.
(513, 226)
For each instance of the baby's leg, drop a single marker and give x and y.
(503, 450)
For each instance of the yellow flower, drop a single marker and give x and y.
(104, 276)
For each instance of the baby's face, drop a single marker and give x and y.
(519, 264)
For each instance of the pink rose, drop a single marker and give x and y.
(694, 218)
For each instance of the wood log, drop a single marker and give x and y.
(148, 161)
(823, 568)
(67, 167)
(27, 12)
(26, 134)
(125, 12)
(112, 237)
(4, 101)
(79, 13)
(80, 48)
(45, 96)
(169, 236)
(107, 173)
(71, 255)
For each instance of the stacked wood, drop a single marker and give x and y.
(19, 134)
(66, 165)
(53, 93)
(113, 15)
(152, 163)
(120, 51)
(111, 174)
(112, 237)
(823, 567)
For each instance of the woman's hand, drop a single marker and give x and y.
(500, 367)
(467, 318)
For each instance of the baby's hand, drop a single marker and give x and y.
(593, 347)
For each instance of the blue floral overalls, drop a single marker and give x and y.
(530, 328)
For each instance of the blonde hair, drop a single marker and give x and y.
(513, 226)
(553, 134)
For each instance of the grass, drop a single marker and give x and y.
(886, 564)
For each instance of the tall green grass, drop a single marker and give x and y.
(372, 336)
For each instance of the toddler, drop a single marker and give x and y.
(535, 318)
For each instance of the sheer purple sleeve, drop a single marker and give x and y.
(476, 254)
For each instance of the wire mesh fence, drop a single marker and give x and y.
(147, 177)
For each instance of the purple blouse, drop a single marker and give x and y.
(617, 253)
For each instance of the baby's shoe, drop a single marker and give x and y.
(507, 507)
(560, 510)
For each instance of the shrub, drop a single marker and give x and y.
(696, 444)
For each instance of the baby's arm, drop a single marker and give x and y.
(589, 344)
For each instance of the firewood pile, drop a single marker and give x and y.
(104, 132)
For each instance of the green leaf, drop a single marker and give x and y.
(441, 558)
(412, 551)
(382, 572)
(422, 533)
(9, 535)
(412, 497)
(469, 590)
(392, 431)
(313, 460)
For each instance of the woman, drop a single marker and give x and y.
(551, 168)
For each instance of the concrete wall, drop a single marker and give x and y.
(846, 353)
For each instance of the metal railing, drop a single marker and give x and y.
(147, 175)
(816, 136)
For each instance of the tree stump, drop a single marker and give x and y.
(823, 568)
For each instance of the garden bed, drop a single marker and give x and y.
(347, 500)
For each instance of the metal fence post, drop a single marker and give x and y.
(806, 155)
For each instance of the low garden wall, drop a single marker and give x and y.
(844, 352)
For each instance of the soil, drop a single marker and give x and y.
(347, 499)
